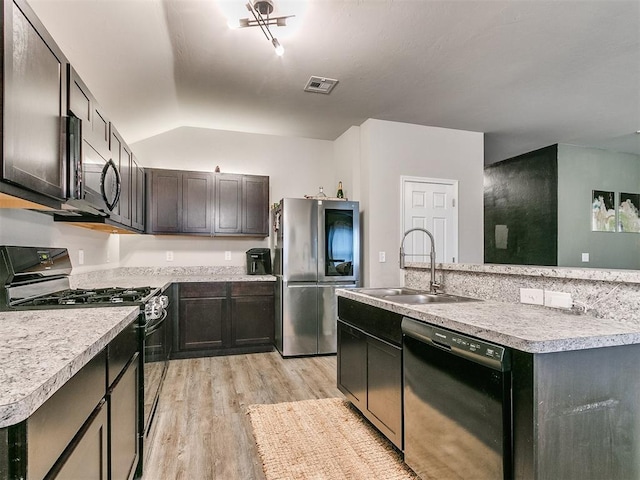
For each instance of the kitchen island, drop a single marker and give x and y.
(42, 349)
(528, 328)
(575, 385)
(61, 374)
(53, 356)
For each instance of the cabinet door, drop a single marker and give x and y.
(35, 102)
(255, 205)
(164, 206)
(197, 191)
(80, 100)
(228, 204)
(137, 195)
(100, 132)
(352, 364)
(124, 417)
(384, 387)
(252, 320)
(121, 155)
(203, 324)
(88, 457)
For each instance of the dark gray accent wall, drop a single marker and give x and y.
(580, 171)
(521, 209)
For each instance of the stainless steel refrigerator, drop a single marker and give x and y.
(317, 250)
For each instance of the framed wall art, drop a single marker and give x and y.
(603, 211)
(628, 218)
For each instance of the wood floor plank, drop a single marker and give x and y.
(202, 429)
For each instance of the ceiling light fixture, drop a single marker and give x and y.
(261, 11)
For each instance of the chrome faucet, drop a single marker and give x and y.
(433, 285)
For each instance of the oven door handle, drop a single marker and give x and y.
(151, 328)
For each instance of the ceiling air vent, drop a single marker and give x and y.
(320, 85)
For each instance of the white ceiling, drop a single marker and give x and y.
(527, 73)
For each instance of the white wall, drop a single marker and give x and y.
(27, 228)
(390, 150)
(295, 166)
(346, 154)
(369, 160)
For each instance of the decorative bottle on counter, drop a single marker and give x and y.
(340, 194)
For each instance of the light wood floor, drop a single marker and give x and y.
(202, 430)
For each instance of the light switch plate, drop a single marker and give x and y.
(585, 257)
(382, 257)
(532, 296)
(80, 257)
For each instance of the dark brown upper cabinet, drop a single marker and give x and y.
(137, 195)
(241, 205)
(121, 155)
(91, 151)
(99, 143)
(179, 202)
(34, 104)
(95, 128)
(185, 202)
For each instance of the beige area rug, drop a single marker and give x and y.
(322, 440)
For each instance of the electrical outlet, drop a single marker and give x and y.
(585, 257)
(557, 299)
(382, 257)
(227, 255)
(532, 296)
(80, 257)
(169, 256)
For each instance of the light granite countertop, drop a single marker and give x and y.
(163, 281)
(42, 349)
(593, 274)
(527, 328)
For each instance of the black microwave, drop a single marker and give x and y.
(94, 181)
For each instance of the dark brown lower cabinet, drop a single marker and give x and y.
(202, 323)
(384, 387)
(252, 313)
(88, 457)
(124, 411)
(218, 318)
(352, 364)
(370, 376)
(202, 317)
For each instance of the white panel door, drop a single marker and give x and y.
(430, 205)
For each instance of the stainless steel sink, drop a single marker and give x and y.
(425, 298)
(411, 296)
(387, 292)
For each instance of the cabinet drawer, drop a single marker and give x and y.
(121, 349)
(375, 321)
(203, 289)
(241, 289)
(54, 424)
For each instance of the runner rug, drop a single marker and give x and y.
(322, 440)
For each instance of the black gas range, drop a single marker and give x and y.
(37, 278)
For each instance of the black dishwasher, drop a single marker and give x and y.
(457, 404)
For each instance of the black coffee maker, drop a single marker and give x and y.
(259, 261)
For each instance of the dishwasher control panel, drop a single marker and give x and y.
(471, 348)
(471, 345)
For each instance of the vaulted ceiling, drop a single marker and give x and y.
(527, 73)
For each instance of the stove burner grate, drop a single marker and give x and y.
(92, 296)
